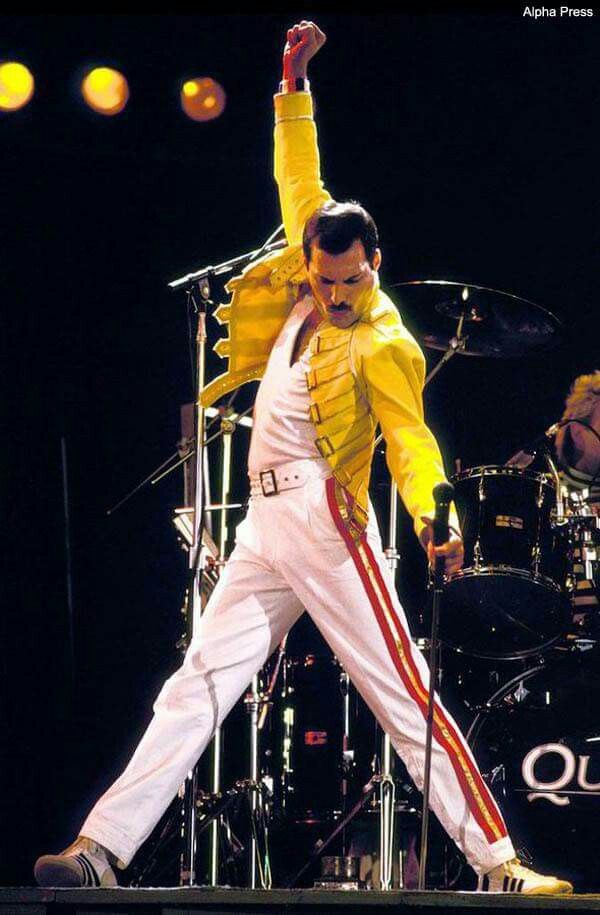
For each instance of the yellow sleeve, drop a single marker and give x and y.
(297, 166)
(392, 369)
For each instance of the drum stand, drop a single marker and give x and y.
(366, 794)
(258, 704)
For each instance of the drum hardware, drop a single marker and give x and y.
(181, 457)
(259, 869)
(321, 845)
(559, 518)
(340, 873)
(216, 809)
(387, 788)
(540, 498)
(481, 489)
(321, 738)
(258, 705)
(229, 420)
(499, 324)
(267, 696)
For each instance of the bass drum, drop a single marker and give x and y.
(326, 741)
(538, 745)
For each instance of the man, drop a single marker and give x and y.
(577, 441)
(335, 362)
(577, 449)
(577, 445)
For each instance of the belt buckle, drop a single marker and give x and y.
(268, 482)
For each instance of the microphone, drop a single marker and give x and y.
(443, 494)
(525, 456)
(554, 428)
(542, 442)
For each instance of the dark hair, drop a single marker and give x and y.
(335, 226)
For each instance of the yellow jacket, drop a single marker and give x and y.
(368, 374)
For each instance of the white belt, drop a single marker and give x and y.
(290, 475)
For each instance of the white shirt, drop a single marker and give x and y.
(282, 430)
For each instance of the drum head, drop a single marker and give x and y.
(538, 746)
(502, 613)
(509, 599)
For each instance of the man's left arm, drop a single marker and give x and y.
(392, 369)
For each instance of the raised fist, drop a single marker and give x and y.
(303, 42)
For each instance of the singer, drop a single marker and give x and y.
(335, 361)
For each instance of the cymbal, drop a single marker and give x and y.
(495, 324)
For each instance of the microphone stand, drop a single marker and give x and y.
(201, 279)
(188, 856)
(442, 494)
(197, 276)
(387, 785)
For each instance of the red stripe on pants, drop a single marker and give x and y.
(418, 694)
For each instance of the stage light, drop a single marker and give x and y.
(16, 86)
(105, 90)
(202, 98)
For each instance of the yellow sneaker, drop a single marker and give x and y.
(84, 863)
(514, 877)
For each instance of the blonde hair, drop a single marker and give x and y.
(583, 396)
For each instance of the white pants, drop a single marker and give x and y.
(292, 554)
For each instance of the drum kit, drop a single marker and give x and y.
(308, 808)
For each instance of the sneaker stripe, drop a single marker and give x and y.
(88, 880)
(520, 885)
(93, 872)
(485, 885)
(91, 877)
(85, 876)
(505, 884)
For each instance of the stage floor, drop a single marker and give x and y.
(180, 901)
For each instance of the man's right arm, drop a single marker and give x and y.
(297, 166)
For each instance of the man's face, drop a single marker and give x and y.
(339, 282)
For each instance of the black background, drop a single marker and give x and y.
(472, 137)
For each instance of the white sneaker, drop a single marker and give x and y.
(514, 877)
(84, 863)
